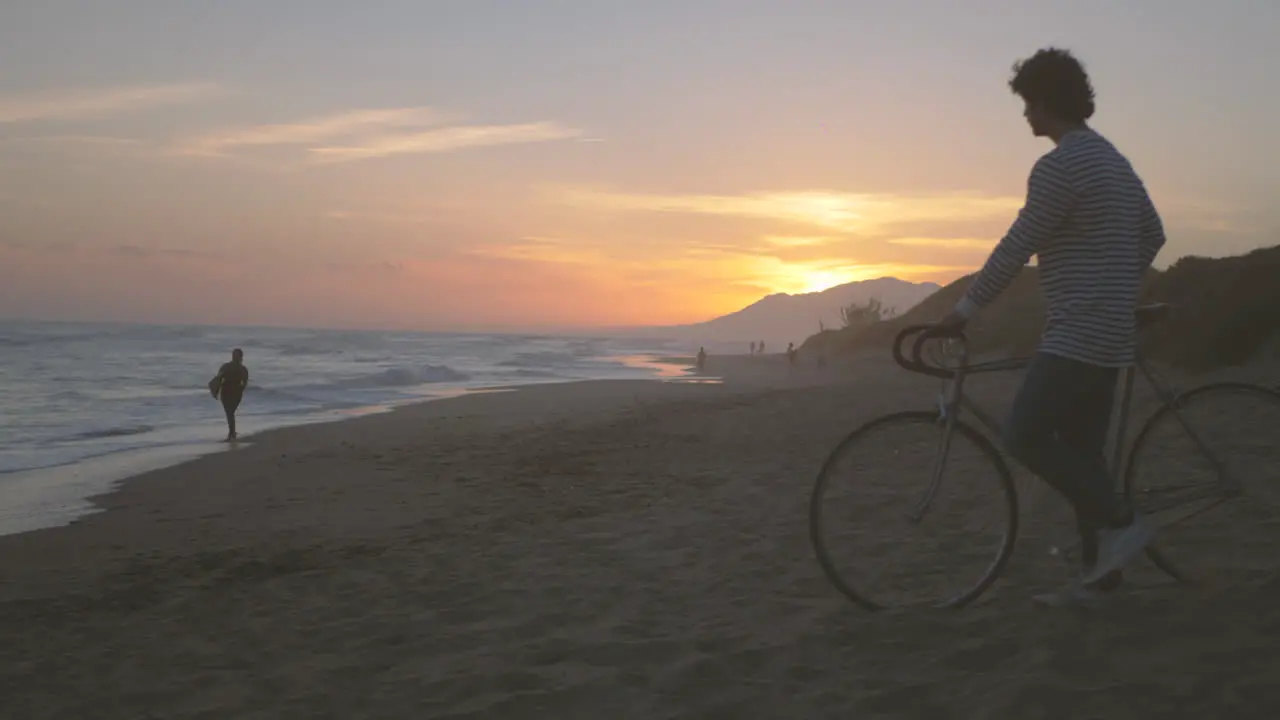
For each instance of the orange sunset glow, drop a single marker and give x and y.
(462, 178)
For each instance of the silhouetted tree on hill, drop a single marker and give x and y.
(860, 315)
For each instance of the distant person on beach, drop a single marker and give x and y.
(760, 345)
(791, 354)
(1091, 222)
(753, 347)
(228, 386)
(702, 359)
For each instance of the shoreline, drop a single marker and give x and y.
(61, 494)
(147, 466)
(58, 495)
(68, 494)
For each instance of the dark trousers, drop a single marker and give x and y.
(231, 401)
(1058, 427)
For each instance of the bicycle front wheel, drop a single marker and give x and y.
(1206, 470)
(906, 513)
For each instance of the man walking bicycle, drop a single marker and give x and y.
(1092, 225)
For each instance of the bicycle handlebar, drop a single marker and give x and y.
(926, 332)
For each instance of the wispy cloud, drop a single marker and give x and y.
(70, 104)
(76, 146)
(370, 133)
(546, 250)
(379, 217)
(446, 139)
(71, 140)
(314, 130)
(831, 210)
(795, 241)
(957, 244)
(157, 253)
(705, 265)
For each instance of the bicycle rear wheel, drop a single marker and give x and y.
(1206, 470)
(887, 535)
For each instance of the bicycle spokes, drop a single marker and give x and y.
(1204, 467)
(935, 479)
(889, 533)
(1230, 483)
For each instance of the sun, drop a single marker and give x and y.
(812, 281)
(798, 278)
(805, 277)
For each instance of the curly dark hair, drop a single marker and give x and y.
(1055, 79)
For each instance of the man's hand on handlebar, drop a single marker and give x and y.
(919, 336)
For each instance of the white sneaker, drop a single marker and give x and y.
(1117, 547)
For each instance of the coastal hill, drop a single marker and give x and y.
(781, 318)
(1225, 311)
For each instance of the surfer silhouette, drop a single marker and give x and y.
(228, 386)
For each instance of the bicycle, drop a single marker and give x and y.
(1191, 500)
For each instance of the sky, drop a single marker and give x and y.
(486, 165)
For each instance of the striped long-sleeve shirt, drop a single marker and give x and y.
(1091, 222)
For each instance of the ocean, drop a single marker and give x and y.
(71, 394)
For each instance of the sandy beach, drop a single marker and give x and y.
(589, 550)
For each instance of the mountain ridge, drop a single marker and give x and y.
(780, 318)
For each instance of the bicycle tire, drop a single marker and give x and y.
(961, 430)
(1159, 557)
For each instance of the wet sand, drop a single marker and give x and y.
(589, 550)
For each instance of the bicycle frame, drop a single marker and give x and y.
(952, 402)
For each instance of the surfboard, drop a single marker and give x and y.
(215, 386)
